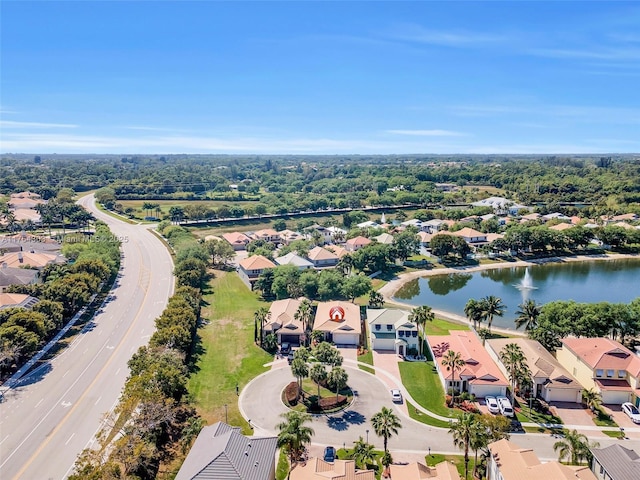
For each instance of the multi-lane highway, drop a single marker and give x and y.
(54, 413)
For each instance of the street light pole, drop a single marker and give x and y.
(367, 435)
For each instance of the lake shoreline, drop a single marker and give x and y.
(389, 290)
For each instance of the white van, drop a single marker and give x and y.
(505, 406)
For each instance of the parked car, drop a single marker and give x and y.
(505, 406)
(396, 396)
(492, 404)
(285, 348)
(329, 454)
(290, 356)
(632, 412)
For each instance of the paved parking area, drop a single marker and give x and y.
(572, 413)
(619, 416)
(388, 361)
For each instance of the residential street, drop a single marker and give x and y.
(54, 413)
(260, 403)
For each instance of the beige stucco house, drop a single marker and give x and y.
(341, 322)
(604, 365)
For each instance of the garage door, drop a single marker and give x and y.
(561, 395)
(384, 343)
(345, 339)
(292, 339)
(615, 397)
(482, 391)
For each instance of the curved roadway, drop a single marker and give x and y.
(56, 410)
(260, 403)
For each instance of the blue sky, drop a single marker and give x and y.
(320, 77)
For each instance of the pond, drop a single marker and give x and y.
(616, 281)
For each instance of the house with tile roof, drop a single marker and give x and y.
(252, 267)
(266, 234)
(508, 461)
(294, 259)
(317, 469)
(471, 235)
(237, 240)
(282, 321)
(561, 227)
(604, 365)
(551, 381)
(338, 250)
(341, 322)
(17, 300)
(433, 226)
(16, 276)
(425, 239)
(356, 243)
(615, 462)
(384, 238)
(29, 259)
(322, 258)
(417, 471)
(479, 376)
(221, 452)
(288, 236)
(390, 329)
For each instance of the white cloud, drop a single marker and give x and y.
(458, 38)
(12, 124)
(427, 133)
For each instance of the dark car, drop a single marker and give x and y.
(329, 454)
(285, 348)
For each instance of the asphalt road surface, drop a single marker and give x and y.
(260, 403)
(55, 412)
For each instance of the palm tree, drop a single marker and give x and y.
(473, 311)
(338, 378)
(574, 446)
(453, 362)
(464, 431)
(261, 317)
(492, 306)
(345, 264)
(300, 370)
(479, 440)
(592, 398)
(528, 314)
(318, 374)
(385, 423)
(304, 314)
(294, 434)
(420, 316)
(376, 300)
(363, 453)
(512, 357)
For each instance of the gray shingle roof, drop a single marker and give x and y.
(221, 452)
(620, 463)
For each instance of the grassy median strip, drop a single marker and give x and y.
(228, 355)
(424, 418)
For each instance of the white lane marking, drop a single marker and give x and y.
(39, 403)
(117, 371)
(65, 374)
(65, 404)
(67, 442)
(100, 398)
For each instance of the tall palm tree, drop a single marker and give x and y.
(318, 374)
(338, 378)
(464, 431)
(512, 357)
(261, 317)
(473, 311)
(386, 424)
(363, 453)
(574, 446)
(300, 370)
(592, 398)
(528, 313)
(420, 316)
(492, 306)
(345, 264)
(294, 434)
(304, 315)
(453, 362)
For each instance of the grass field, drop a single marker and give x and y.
(424, 418)
(422, 382)
(228, 355)
(440, 326)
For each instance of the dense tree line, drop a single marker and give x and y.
(294, 183)
(63, 291)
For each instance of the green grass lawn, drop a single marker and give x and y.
(602, 419)
(525, 415)
(424, 418)
(282, 469)
(347, 454)
(422, 382)
(229, 356)
(440, 326)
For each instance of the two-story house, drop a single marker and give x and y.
(604, 365)
(355, 244)
(322, 258)
(283, 322)
(251, 268)
(237, 240)
(390, 329)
